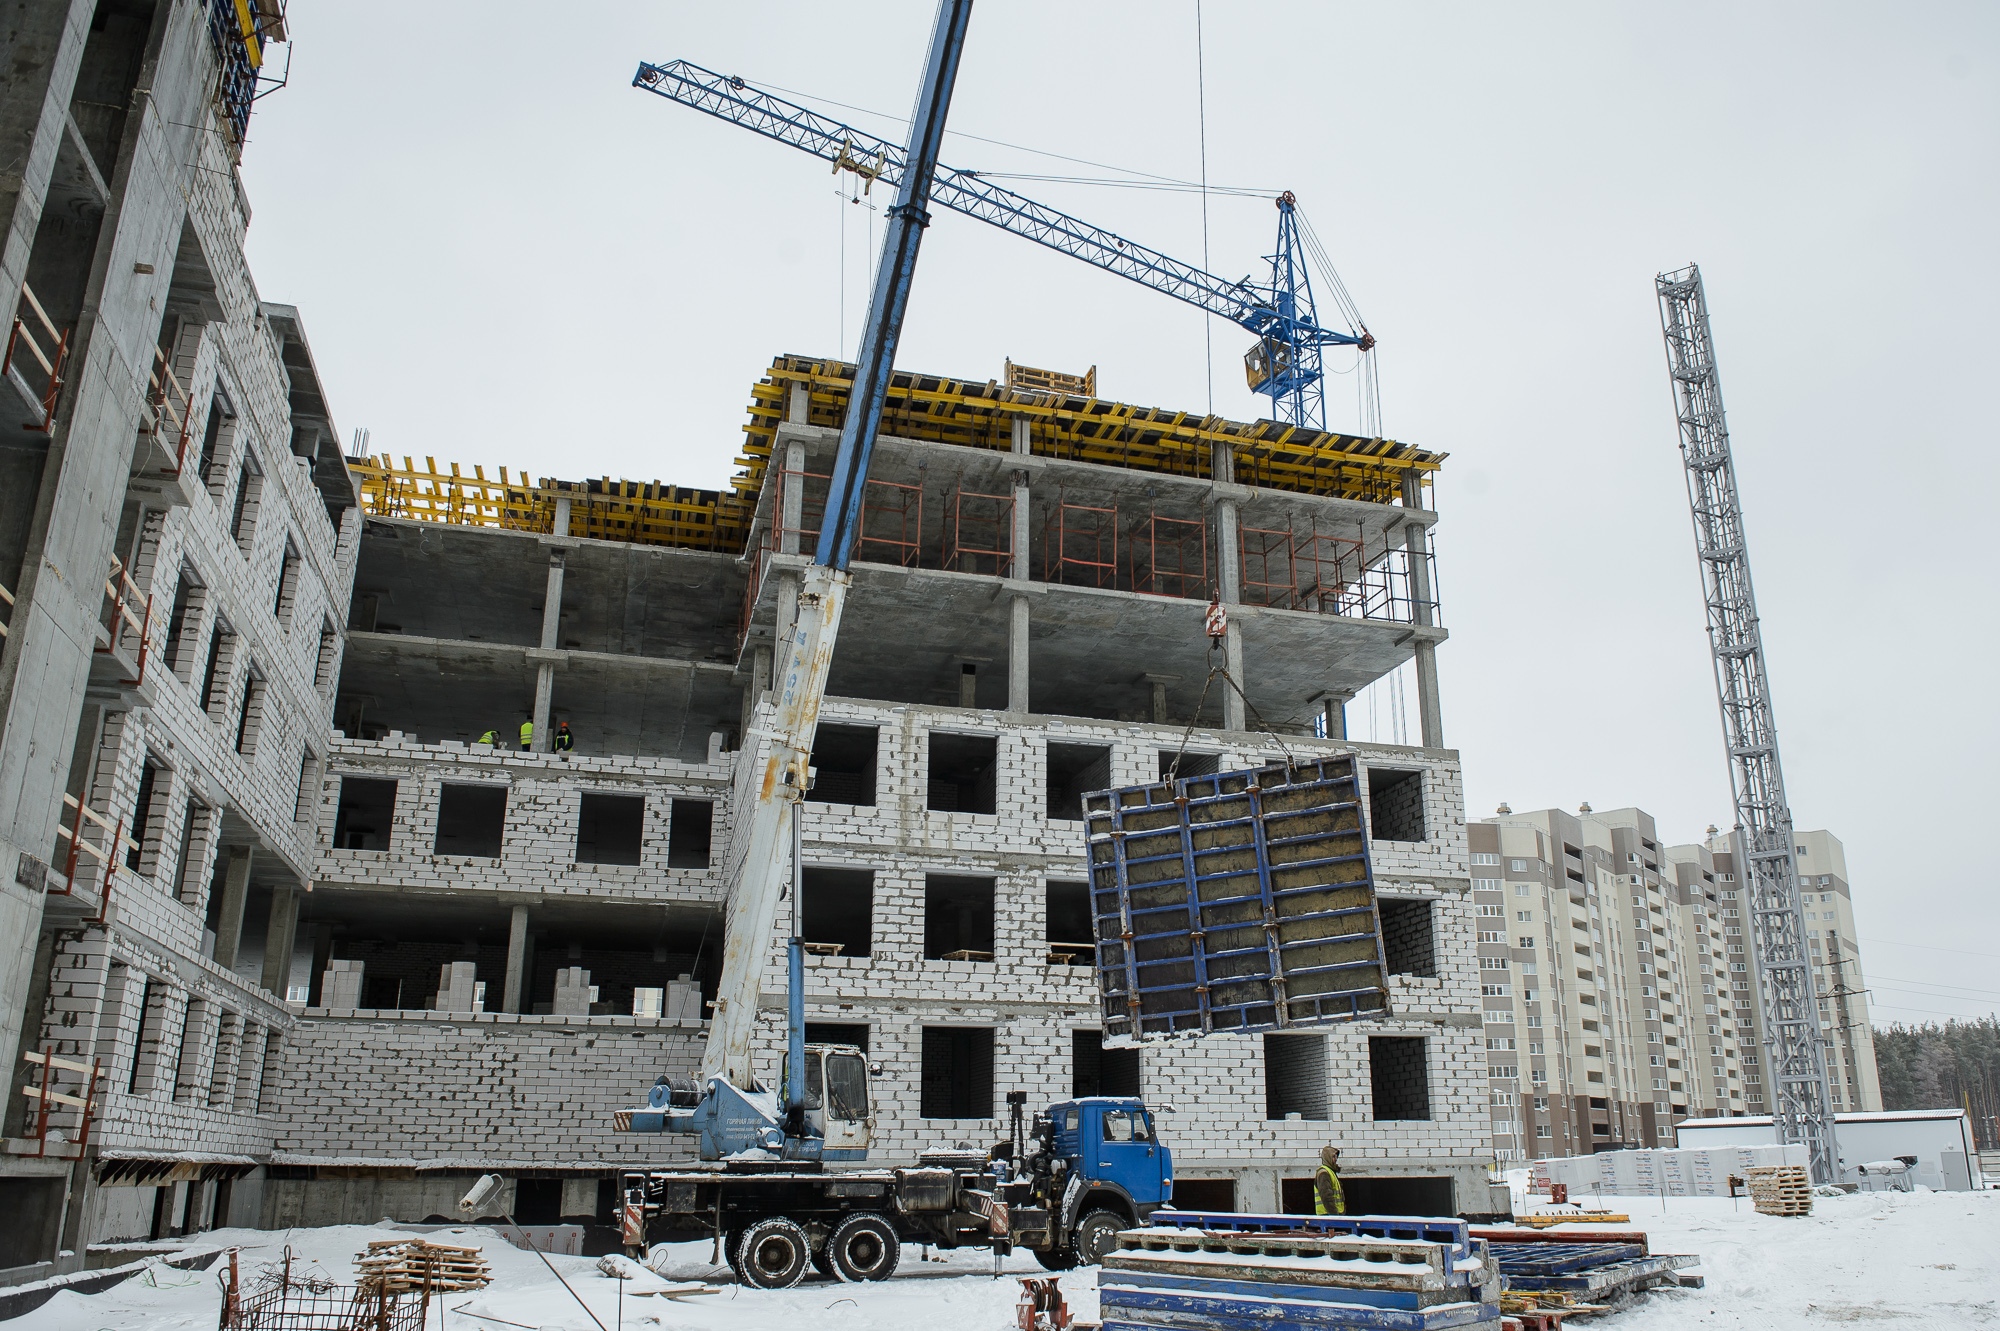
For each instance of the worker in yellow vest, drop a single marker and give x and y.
(528, 734)
(1328, 1199)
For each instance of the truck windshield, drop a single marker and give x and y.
(847, 1086)
(1121, 1126)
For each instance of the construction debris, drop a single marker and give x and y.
(405, 1265)
(1781, 1190)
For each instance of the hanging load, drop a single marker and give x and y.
(1235, 901)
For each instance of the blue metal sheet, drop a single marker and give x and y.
(1237, 901)
(1548, 1259)
(1121, 1305)
(1407, 1228)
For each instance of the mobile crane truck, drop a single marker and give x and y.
(1269, 921)
(1065, 1183)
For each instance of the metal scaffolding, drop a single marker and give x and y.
(1794, 1046)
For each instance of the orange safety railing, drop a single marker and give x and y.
(892, 524)
(168, 410)
(47, 1098)
(1269, 573)
(979, 533)
(1169, 557)
(127, 610)
(6, 600)
(1080, 545)
(797, 486)
(52, 358)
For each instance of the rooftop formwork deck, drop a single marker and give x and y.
(1267, 455)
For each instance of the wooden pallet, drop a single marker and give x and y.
(1783, 1190)
(408, 1265)
(1543, 1219)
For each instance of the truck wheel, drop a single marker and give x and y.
(1096, 1234)
(773, 1254)
(1056, 1259)
(864, 1248)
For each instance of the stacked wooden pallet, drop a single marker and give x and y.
(1780, 1190)
(407, 1265)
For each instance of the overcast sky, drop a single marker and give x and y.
(505, 254)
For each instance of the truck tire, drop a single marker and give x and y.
(1096, 1234)
(1056, 1259)
(864, 1247)
(773, 1254)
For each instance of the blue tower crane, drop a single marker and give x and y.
(1284, 364)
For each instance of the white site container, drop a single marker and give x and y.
(1941, 1139)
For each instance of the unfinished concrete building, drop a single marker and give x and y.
(300, 931)
(540, 926)
(177, 530)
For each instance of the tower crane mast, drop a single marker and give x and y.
(1795, 1049)
(1283, 363)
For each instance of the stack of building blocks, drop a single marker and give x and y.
(1289, 1273)
(1780, 1190)
(340, 985)
(574, 993)
(1687, 1172)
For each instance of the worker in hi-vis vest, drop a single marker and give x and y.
(491, 738)
(1327, 1196)
(528, 734)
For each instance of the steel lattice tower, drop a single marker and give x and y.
(1795, 1050)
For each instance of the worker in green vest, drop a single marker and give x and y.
(491, 739)
(528, 734)
(1328, 1199)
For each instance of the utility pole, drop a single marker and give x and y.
(1795, 1048)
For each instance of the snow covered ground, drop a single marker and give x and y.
(1930, 1259)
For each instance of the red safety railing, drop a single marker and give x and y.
(1267, 572)
(806, 489)
(53, 358)
(127, 610)
(892, 524)
(52, 1105)
(110, 841)
(979, 533)
(168, 411)
(6, 605)
(1080, 545)
(1169, 557)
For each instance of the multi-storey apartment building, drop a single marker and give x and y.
(1619, 981)
(1600, 975)
(542, 926)
(1837, 977)
(177, 533)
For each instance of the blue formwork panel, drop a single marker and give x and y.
(1235, 901)
(1407, 1300)
(1556, 1259)
(1124, 1308)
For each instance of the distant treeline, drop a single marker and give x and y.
(1953, 1066)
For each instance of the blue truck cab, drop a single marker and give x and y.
(1117, 1162)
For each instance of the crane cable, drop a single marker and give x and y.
(1201, 108)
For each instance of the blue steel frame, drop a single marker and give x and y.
(1275, 313)
(1120, 981)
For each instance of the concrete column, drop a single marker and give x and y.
(517, 960)
(1022, 446)
(1415, 540)
(278, 939)
(1333, 705)
(552, 602)
(545, 691)
(560, 526)
(1222, 461)
(788, 616)
(1228, 553)
(798, 405)
(968, 684)
(1017, 563)
(1159, 684)
(235, 891)
(1017, 654)
(1233, 715)
(760, 671)
(545, 674)
(792, 490)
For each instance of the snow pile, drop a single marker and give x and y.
(1930, 1259)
